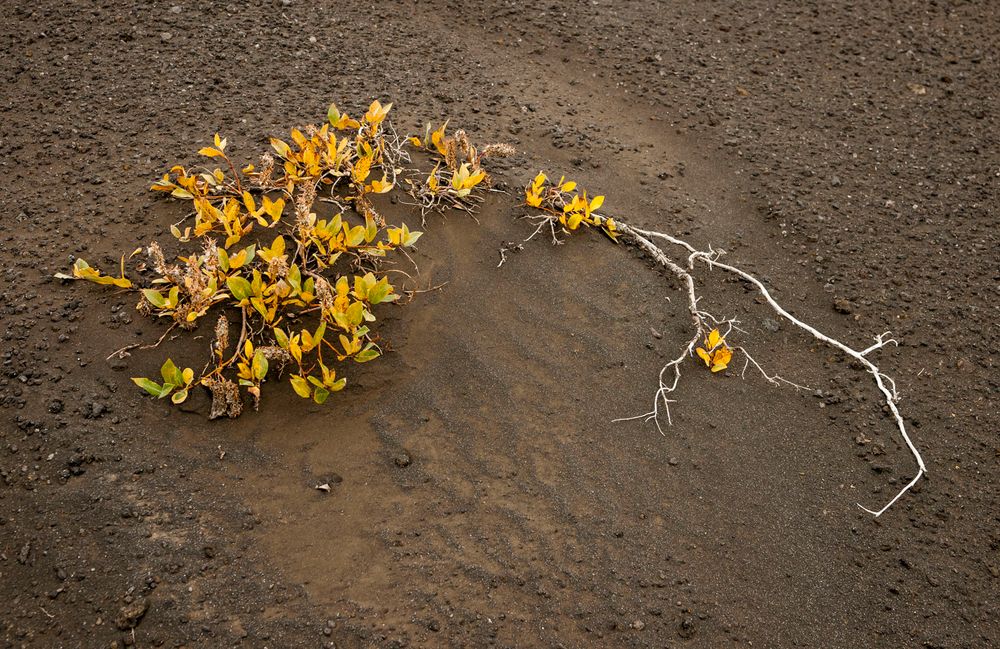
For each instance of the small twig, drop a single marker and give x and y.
(509, 247)
(124, 351)
(774, 379)
(414, 291)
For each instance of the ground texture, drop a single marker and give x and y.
(846, 152)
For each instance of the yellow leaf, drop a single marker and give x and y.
(281, 148)
(301, 386)
(713, 340)
(377, 112)
(379, 186)
(299, 139)
(361, 169)
(722, 356)
(704, 356)
(437, 139)
(274, 209)
(210, 152)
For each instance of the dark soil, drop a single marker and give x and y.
(847, 152)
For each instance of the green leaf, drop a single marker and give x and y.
(173, 297)
(239, 287)
(170, 373)
(155, 297)
(166, 389)
(295, 278)
(355, 313)
(179, 396)
(149, 386)
(355, 236)
(369, 353)
(378, 292)
(259, 365)
(258, 304)
(281, 337)
(320, 395)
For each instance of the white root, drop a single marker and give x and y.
(889, 393)
(644, 239)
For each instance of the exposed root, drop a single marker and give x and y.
(702, 322)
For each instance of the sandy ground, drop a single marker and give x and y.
(481, 496)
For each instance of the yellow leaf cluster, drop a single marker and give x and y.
(569, 207)
(319, 268)
(715, 353)
(463, 180)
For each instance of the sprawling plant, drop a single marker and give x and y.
(303, 287)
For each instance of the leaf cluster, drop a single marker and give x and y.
(303, 287)
(458, 170)
(569, 207)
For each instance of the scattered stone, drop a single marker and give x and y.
(686, 629)
(402, 459)
(117, 363)
(131, 614)
(166, 36)
(197, 402)
(770, 324)
(841, 305)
